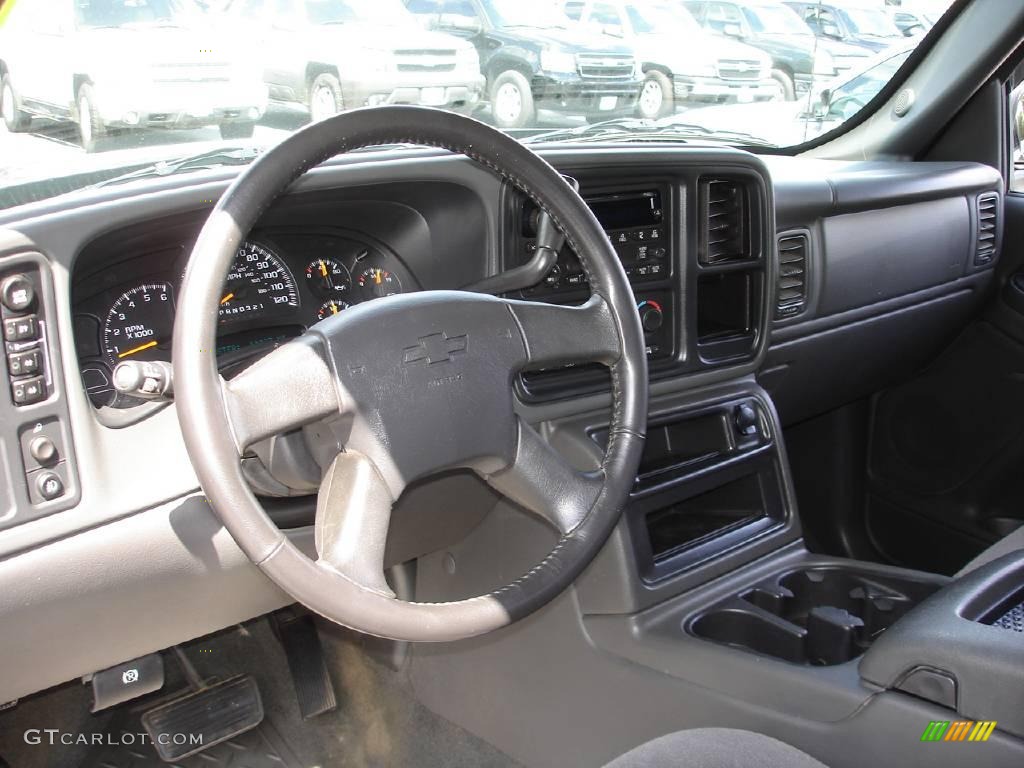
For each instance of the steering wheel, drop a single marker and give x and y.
(399, 388)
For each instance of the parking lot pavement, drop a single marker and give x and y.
(52, 149)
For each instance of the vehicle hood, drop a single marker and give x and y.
(158, 45)
(705, 49)
(333, 39)
(780, 122)
(573, 39)
(839, 48)
(802, 43)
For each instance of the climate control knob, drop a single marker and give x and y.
(651, 315)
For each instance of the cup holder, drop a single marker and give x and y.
(817, 616)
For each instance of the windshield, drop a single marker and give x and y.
(775, 20)
(123, 13)
(538, 14)
(653, 19)
(867, 21)
(354, 11)
(96, 92)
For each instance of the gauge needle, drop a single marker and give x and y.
(323, 268)
(227, 298)
(133, 350)
(377, 276)
(334, 308)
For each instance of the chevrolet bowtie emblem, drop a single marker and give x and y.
(435, 348)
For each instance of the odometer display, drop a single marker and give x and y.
(258, 283)
(139, 324)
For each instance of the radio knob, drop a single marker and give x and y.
(651, 316)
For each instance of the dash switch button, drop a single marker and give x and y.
(43, 450)
(49, 485)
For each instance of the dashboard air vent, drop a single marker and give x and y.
(988, 210)
(725, 235)
(792, 288)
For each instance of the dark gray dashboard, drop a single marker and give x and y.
(890, 269)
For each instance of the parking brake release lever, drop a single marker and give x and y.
(549, 242)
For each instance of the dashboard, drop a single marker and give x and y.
(281, 283)
(816, 282)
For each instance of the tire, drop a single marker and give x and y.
(241, 130)
(15, 119)
(325, 98)
(511, 100)
(90, 124)
(787, 90)
(656, 96)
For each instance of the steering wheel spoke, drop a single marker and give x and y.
(542, 481)
(286, 389)
(557, 334)
(353, 513)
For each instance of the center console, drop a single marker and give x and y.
(694, 248)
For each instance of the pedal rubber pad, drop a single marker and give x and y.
(313, 687)
(192, 723)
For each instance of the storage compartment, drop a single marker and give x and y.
(724, 306)
(816, 616)
(689, 521)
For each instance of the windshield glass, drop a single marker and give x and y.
(776, 20)
(356, 11)
(868, 21)
(538, 14)
(655, 18)
(95, 92)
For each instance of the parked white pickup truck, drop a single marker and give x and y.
(121, 64)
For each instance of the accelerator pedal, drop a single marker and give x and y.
(310, 676)
(202, 718)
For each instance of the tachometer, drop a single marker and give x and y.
(376, 282)
(139, 324)
(258, 281)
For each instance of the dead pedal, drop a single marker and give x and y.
(310, 676)
(198, 720)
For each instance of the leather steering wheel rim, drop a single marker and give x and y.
(321, 382)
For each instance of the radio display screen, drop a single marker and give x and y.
(627, 210)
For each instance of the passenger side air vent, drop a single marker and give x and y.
(988, 211)
(792, 285)
(725, 224)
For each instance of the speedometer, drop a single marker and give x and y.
(257, 283)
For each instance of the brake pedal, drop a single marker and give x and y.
(200, 719)
(310, 676)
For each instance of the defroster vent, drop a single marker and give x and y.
(792, 286)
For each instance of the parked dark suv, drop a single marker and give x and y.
(867, 26)
(800, 63)
(531, 59)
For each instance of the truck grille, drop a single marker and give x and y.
(739, 69)
(425, 60)
(607, 66)
(189, 72)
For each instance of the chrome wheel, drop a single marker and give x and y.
(85, 120)
(508, 103)
(323, 104)
(9, 111)
(652, 98)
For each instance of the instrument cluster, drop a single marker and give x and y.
(279, 284)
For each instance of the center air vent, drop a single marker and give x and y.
(792, 287)
(988, 210)
(725, 234)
